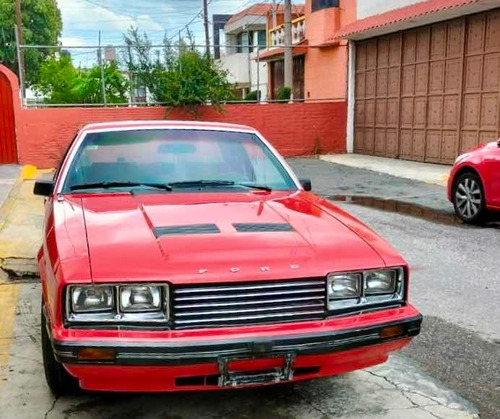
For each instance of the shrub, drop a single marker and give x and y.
(284, 93)
(253, 96)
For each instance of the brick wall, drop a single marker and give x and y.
(294, 129)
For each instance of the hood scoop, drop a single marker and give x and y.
(262, 227)
(185, 230)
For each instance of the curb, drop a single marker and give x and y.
(15, 267)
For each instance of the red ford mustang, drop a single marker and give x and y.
(188, 256)
(474, 182)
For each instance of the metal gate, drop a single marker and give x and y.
(8, 150)
(431, 93)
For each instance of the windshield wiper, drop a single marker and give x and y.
(202, 182)
(259, 187)
(106, 185)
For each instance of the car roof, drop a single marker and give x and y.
(124, 125)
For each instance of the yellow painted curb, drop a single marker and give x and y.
(28, 172)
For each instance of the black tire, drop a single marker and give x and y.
(468, 198)
(60, 382)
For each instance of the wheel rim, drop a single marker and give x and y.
(468, 198)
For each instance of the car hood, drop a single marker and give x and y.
(193, 237)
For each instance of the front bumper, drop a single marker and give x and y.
(177, 364)
(211, 351)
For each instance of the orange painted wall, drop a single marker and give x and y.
(326, 68)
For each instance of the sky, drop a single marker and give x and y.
(82, 19)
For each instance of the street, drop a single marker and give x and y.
(449, 371)
(455, 280)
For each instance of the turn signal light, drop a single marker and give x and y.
(96, 354)
(392, 332)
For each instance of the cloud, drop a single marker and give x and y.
(82, 19)
(72, 40)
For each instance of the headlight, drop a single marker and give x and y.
(92, 299)
(380, 282)
(359, 289)
(344, 286)
(140, 298)
(115, 303)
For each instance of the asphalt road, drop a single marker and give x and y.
(455, 278)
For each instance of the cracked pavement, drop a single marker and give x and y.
(392, 390)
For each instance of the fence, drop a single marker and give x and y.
(124, 75)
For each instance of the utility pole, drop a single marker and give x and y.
(103, 83)
(288, 47)
(131, 78)
(205, 22)
(20, 51)
(249, 59)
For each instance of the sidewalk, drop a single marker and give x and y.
(436, 174)
(8, 176)
(21, 219)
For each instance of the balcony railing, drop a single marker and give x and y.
(276, 36)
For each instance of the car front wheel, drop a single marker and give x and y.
(468, 198)
(58, 379)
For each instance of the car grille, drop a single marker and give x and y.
(216, 305)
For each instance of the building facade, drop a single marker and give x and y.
(246, 37)
(424, 78)
(421, 77)
(320, 71)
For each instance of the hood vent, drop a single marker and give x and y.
(262, 227)
(186, 230)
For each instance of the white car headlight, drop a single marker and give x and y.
(140, 298)
(380, 282)
(359, 289)
(341, 286)
(96, 298)
(118, 303)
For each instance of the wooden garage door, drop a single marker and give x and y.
(430, 93)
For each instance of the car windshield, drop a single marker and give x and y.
(175, 159)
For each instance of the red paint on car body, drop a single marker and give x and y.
(485, 162)
(108, 238)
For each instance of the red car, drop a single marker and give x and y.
(474, 183)
(188, 256)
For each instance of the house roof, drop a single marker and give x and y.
(262, 9)
(417, 14)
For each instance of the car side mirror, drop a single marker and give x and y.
(306, 184)
(498, 142)
(44, 187)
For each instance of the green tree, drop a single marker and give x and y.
(60, 82)
(179, 75)
(42, 25)
(57, 81)
(89, 86)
